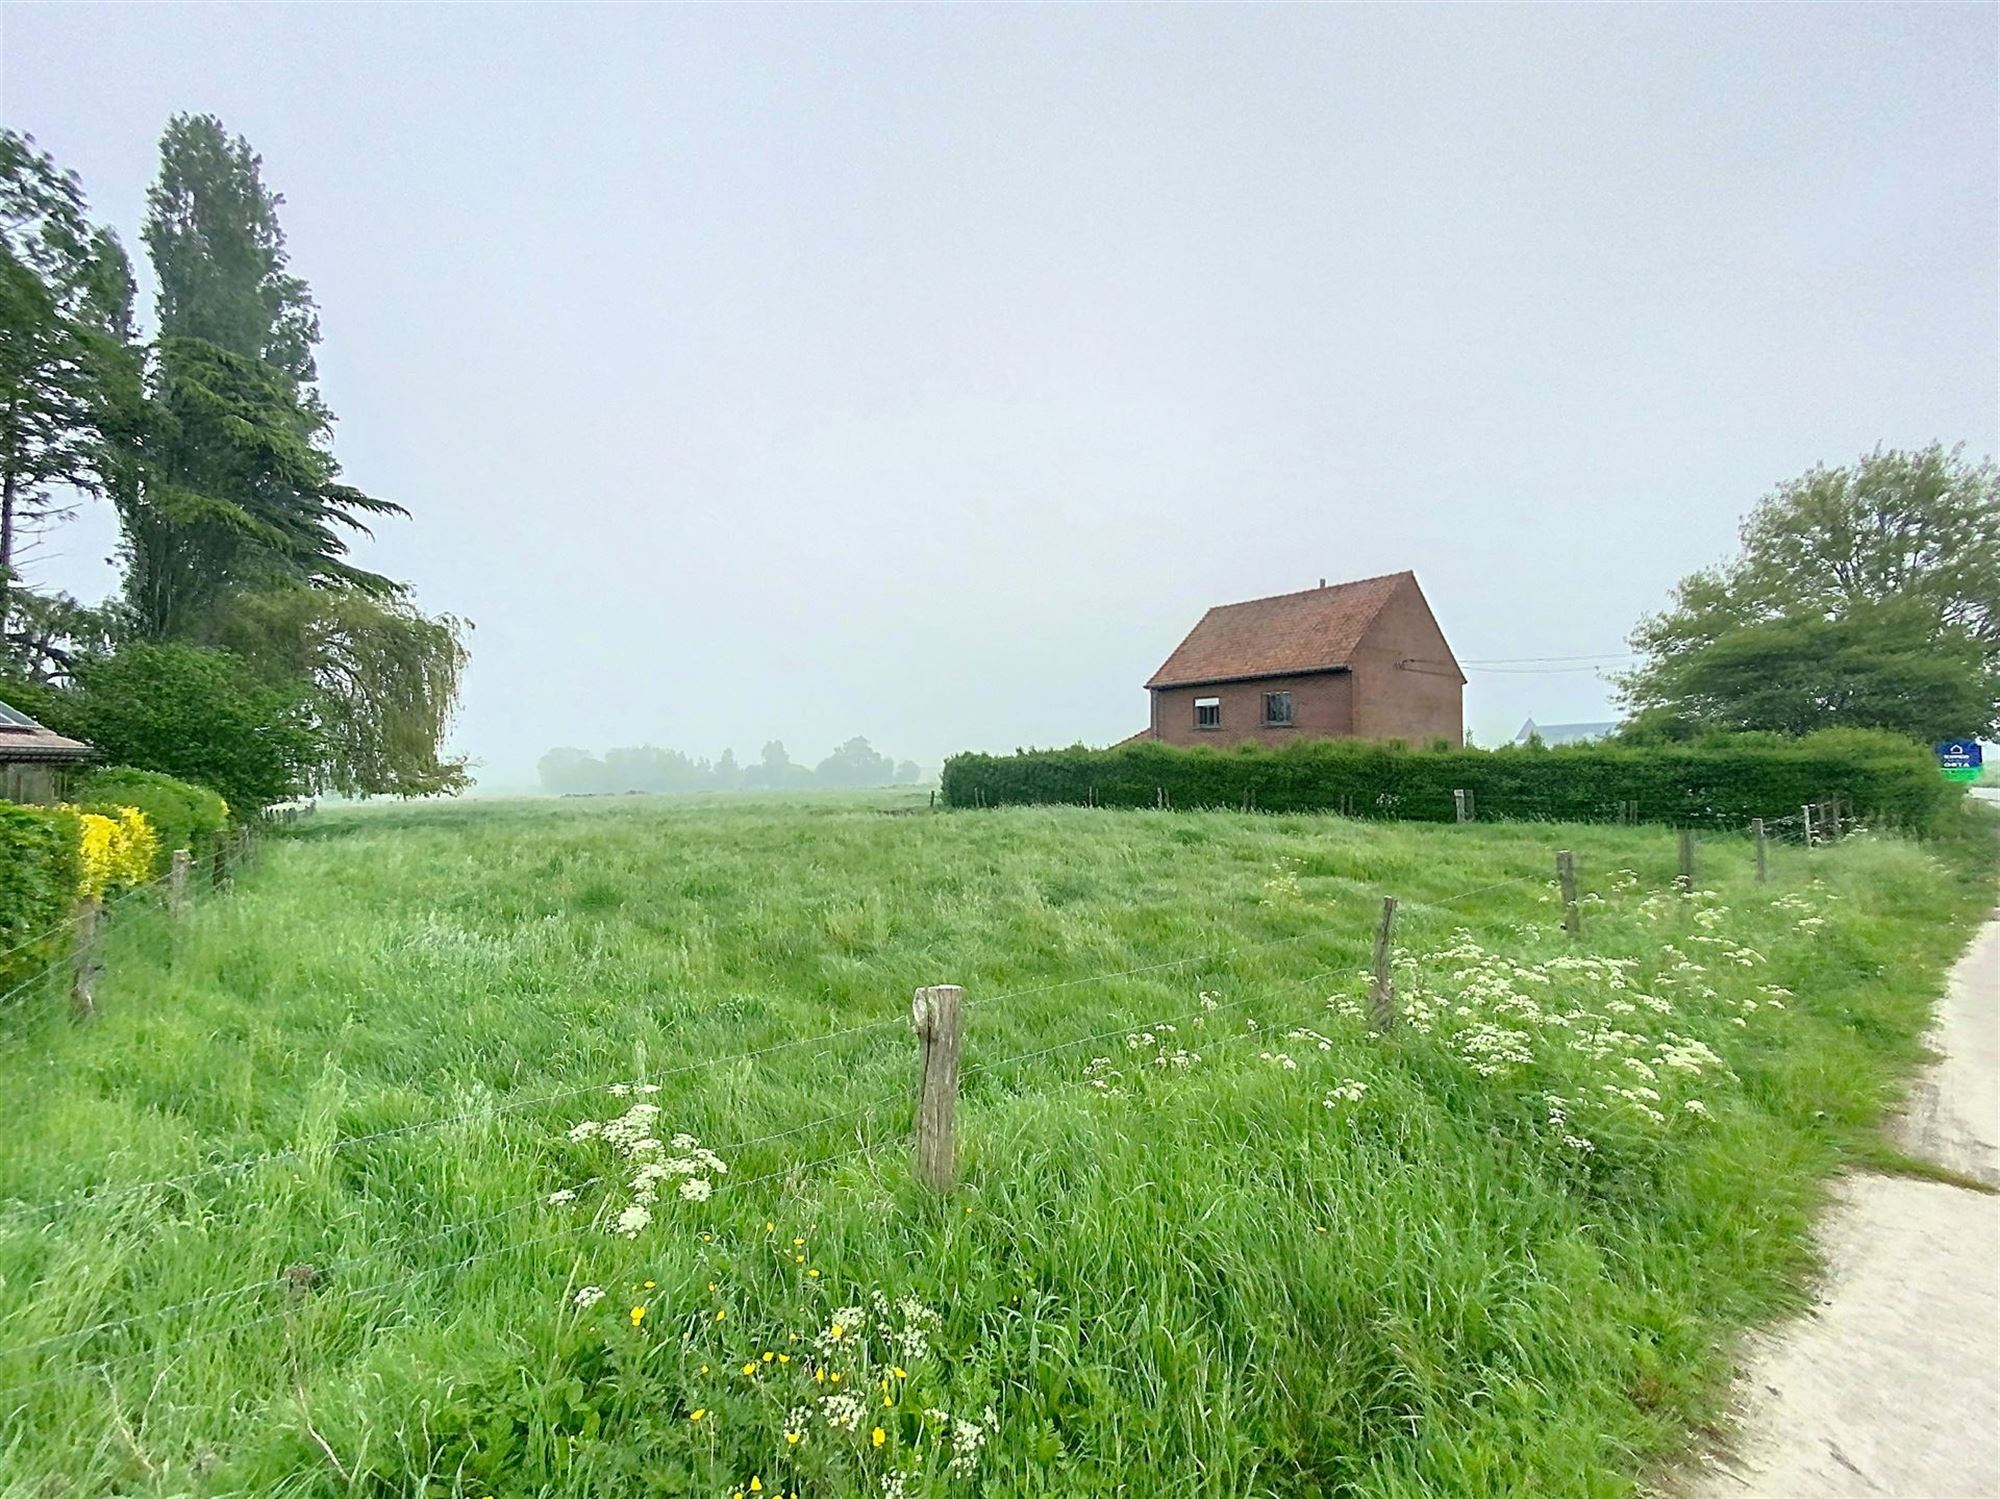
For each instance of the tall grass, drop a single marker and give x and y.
(279, 1222)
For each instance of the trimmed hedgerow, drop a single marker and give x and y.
(183, 814)
(1883, 779)
(40, 873)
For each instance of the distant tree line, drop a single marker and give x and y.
(854, 765)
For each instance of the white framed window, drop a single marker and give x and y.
(1208, 713)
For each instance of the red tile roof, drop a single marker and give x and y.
(21, 738)
(1316, 630)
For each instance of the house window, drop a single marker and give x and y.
(1208, 713)
(1278, 709)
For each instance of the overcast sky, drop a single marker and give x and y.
(924, 373)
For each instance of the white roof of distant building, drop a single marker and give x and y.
(1564, 733)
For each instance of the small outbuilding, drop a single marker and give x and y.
(1359, 660)
(35, 761)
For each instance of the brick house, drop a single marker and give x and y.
(1360, 660)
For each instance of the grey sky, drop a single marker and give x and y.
(923, 373)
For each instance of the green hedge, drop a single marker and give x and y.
(183, 814)
(1884, 779)
(38, 882)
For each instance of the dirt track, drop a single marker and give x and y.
(1891, 1385)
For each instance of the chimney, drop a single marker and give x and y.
(1322, 582)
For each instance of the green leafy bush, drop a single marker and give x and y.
(1714, 783)
(39, 874)
(198, 715)
(183, 814)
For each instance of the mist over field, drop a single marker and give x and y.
(798, 374)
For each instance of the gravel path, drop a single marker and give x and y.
(1891, 1384)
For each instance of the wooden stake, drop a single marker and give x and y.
(1805, 812)
(83, 987)
(1382, 991)
(1686, 880)
(1763, 867)
(937, 1013)
(1566, 875)
(1833, 817)
(1460, 811)
(219, 869)
(177, 884)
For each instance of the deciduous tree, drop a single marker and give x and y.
(1866, 596)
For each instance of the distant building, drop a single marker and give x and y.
(34, 761)
(1564, 733)
(1360, 660)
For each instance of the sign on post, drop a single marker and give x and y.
(1960, 759)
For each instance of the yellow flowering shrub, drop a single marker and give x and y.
(114, 849)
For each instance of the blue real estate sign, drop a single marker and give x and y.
(1960, 759)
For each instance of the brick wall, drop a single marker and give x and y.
(1322, 708)
(1418, 702)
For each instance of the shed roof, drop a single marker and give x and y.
(1316, 629)
(21, 738)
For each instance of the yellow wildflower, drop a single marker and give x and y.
(638, 1315)
(878, 1436)
(750, 1368)
(814, 1273)
(696, 1415)
(756, 1484)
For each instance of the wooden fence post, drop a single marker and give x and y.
(177, 884)
(1763, 864)
(219, 868)
(1458, 806)
(83, 984)
(1833, 817)
(1805, 812)
(937, 1014)
(1382, 990)
(1686, 879)
(1566, 876)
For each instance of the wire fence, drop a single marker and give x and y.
(869, 1127)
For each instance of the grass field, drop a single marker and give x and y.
(281, 1221)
